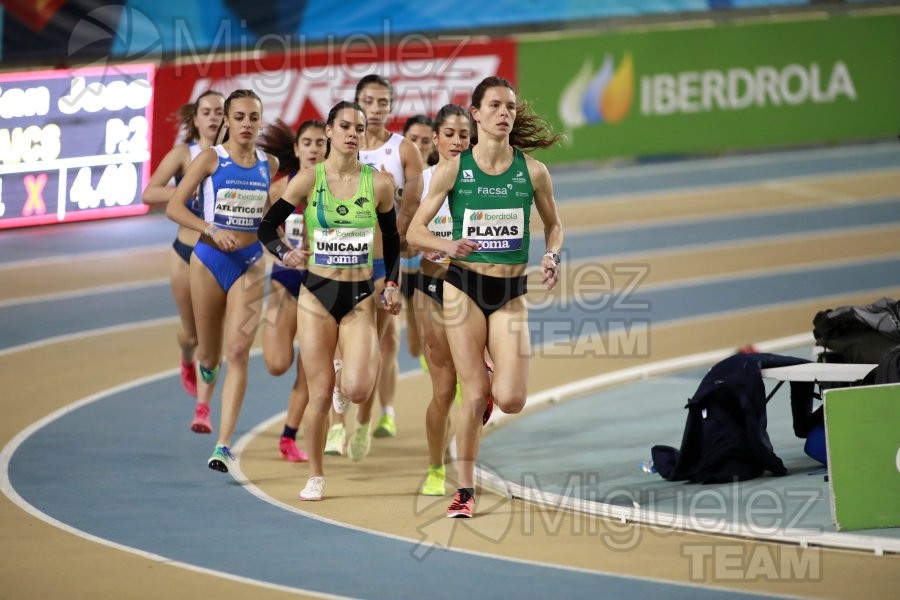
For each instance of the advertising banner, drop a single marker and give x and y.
(300, 86)
(862, 427)
(74, 144)
(675, 91)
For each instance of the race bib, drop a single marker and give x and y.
(239, 209)
(442, 226)
(293, 229)
(342, 247)
(495, 229)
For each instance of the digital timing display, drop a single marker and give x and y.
(74, 144)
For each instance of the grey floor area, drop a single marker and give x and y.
(605, 437)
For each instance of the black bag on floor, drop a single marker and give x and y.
(725, 437)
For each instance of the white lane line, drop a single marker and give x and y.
(718, 245)
(732, 215)
(748, 242)
(809, 190)
(88, 291)
(88, 333)
(70, 258)
(805, 186)
(756, 273)
(6, 487)
(534, 305)
(723, 163)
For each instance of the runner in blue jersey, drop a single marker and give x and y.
(227, 277)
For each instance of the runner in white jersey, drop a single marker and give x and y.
(200, 120)
(391, 154)
(452, 128)
(418, 130)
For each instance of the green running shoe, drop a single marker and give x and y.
(220, 459)
(334, 442)
(359, 445)
(386, 427)
(208, 375)
(434, 483)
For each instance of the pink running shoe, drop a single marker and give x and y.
(201, 422)
(290, 451)
(189, 378)
(462, 506)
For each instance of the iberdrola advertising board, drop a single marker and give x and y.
(718, 88)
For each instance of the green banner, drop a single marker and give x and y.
(674, 91)
(862, 429)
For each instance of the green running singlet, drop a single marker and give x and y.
(493, 210)
(341, 232)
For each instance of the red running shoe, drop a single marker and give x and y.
(189, 378)
(201, 422)
(461, 507)
(290, 451)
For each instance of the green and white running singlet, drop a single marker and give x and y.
(493, 210)
(341, 232)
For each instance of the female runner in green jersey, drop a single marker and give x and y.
(344, 200)
(490, 189)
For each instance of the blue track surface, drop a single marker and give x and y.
(147, 487)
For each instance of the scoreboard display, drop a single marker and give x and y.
(74, 144)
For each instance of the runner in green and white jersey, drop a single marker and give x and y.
(336, 308)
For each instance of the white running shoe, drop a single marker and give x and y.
(339, 401)
(314, 490)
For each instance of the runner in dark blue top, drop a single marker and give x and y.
(227, 277)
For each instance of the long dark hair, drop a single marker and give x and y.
(450, 110)
(332, 115)
(186, 113)
(529, 131)
(244, 93)
(416, 120)
(278, 140)
(422, 120)
(376, 79)
(447, 111)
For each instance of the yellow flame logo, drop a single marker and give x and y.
(604, 96)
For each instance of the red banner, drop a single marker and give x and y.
(305, 85)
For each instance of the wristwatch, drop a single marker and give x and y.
(553, 256)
